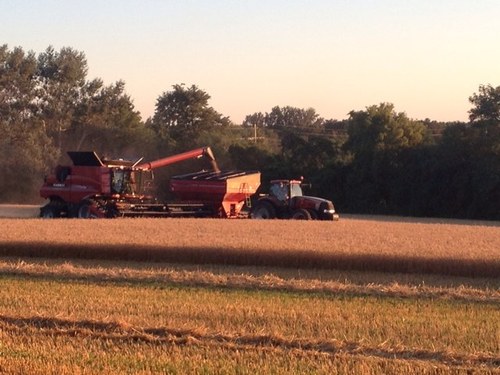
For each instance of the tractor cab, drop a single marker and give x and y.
(284, 190)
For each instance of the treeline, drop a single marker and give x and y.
(376, 161)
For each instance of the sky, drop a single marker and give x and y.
(427, 57)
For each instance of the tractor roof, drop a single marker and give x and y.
(292, 182)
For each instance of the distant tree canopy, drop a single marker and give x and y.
(380, 128)
(184, 112)
(486, 105)
(25, 146)
(377, 160)
(285, 118)
(47, 106)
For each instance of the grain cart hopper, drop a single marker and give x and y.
(95, 187)
(224, 193)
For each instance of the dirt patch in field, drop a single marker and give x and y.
(19, 211)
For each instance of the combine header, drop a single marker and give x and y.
(95, 187)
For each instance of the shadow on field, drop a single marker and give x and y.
(296, 259)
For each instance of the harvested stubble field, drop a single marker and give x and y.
(219, 296)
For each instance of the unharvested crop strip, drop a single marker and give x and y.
(305, 259)
(161, 335)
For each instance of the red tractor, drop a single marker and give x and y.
(286, 201)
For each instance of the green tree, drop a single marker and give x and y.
(377, 137)
(292, 117)
(381, 128)
(486, 105)
(467, 175)
(24, 145)
(79, 113)
(257, 119)
(465, 179)
(48, 106)
(105, 120)
(181, 114)
(17, 85)
(60, 81)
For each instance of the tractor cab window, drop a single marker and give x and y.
(280, 191)
(295, 190)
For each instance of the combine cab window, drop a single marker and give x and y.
(122, 182)
(143, 182)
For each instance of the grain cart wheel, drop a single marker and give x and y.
(301, 214)
(263, 210)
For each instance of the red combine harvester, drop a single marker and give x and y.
(94, 188)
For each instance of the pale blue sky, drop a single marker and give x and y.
(425, 56)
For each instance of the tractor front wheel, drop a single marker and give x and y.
(301, 214)
(314, 214)
(263, 210)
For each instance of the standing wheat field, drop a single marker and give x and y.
(365, 245)
(204, 296)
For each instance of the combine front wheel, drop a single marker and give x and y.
(49, 212)
(88, 210)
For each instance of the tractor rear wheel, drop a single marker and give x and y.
(301, 214)
(263, 210)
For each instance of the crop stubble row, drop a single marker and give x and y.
(107, 317)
